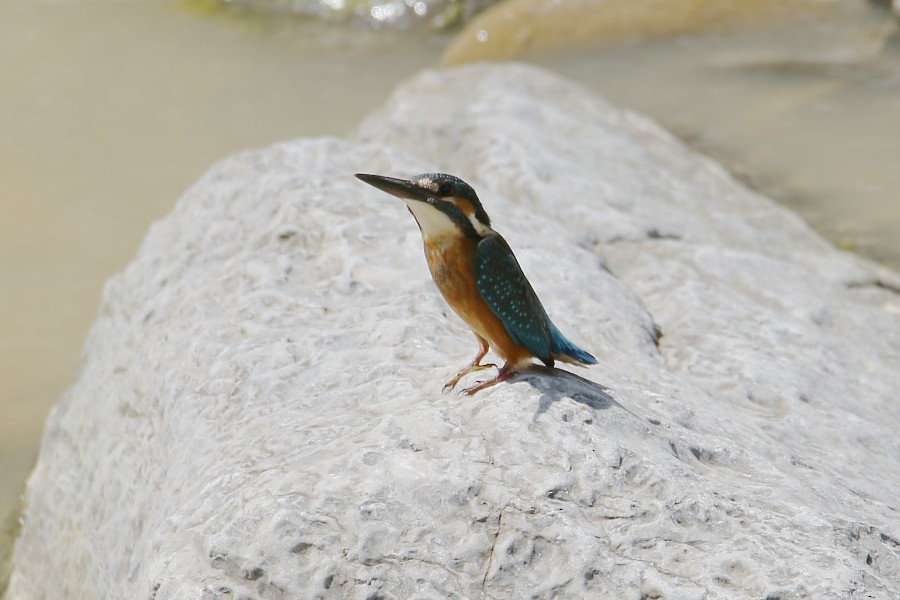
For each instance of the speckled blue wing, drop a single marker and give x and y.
(503, 286)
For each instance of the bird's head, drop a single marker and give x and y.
(442, 204)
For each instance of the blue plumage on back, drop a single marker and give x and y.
(506, 291)
(566, 351)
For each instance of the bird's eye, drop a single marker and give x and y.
(445, 190)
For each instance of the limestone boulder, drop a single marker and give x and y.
(259, 412)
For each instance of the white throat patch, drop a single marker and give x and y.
(434, 223)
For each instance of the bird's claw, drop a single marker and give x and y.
(504, 374)
(470, 369)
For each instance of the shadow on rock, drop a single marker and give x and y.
(556, 384)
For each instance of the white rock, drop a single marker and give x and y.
(259, 412)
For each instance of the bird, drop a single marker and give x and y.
(478, 275)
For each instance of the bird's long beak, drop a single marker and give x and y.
(396, 187)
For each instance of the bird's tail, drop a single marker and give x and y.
(565, 351)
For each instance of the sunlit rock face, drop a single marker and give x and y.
(516, 28)
(259, 411)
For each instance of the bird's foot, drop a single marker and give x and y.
(470, 369)
(504, 374)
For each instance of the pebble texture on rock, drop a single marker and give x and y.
(259, 413)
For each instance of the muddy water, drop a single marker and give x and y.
(112, 109)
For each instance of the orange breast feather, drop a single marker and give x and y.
(452, 268)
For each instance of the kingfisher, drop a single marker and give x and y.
(479, 277)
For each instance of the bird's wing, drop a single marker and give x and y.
(503, 286)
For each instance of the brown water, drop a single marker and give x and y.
(111, 109)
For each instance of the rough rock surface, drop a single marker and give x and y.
(259, 411)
